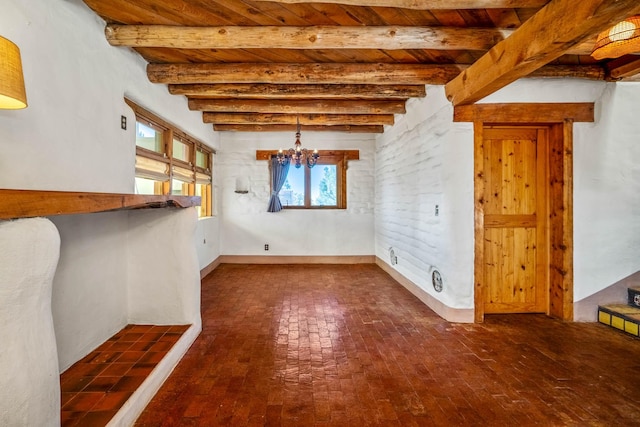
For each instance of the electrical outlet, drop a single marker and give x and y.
(123, 122)
(266, 246)
(437, 210)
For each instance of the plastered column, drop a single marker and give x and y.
(29, 378)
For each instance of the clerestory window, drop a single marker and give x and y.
(169, 161)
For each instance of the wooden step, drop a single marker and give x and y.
(620, 316)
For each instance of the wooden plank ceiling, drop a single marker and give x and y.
(350, 65)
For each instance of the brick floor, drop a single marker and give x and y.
(96, 387)
(336, 345)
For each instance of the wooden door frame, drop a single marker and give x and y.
(559, 118)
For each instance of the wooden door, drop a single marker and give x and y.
(515, 265)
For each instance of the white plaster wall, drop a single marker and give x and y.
(422, 161)
(152, 294)
(426, 159)
(245, 223)
(606, 188)
(30, 391)
(116, 268)
(69, 138)
(207, 235)
(89, 300)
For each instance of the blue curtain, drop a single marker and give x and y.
(278, 177)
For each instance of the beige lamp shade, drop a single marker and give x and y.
(621, 39)
(12, 93)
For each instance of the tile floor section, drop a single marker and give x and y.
(94, 388)
(339, 345)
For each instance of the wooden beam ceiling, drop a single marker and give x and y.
(333, 73)
(350, 65)
(319, 73)
(291, 119)
(428, 4)
(292, 128)
(624, 68)
(268, 37)
(306, 106)
(321, 37)
(297, 91)
(555, 28)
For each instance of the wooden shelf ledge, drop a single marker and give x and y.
(32, 203)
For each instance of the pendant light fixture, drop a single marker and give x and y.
(298, 155)
(12, 93)
(621, 39)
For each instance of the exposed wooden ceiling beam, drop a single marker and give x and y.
(429, 4)
(541, 39)
(624, 68)
(292, 128)
(317, 73)
(290, 119)
(319, 37)
(331, 73)
(307, 106)
(589, 72)
(323, 91)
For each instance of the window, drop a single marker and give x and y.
(322, 187)
(311, 188)
(168, 161)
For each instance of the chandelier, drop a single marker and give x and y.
(297, 155)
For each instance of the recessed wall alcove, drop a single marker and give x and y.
(75, 269)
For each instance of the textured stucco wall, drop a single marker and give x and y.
(422, 162)
(245, 223)
(426, 159)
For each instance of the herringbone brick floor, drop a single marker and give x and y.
(336, 345)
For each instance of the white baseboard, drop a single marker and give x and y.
(209, 268)
(456, 315)
(285, 259)
(133, 407)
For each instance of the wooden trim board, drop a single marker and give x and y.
(348, 154)
(525, 113)
(560, 189)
